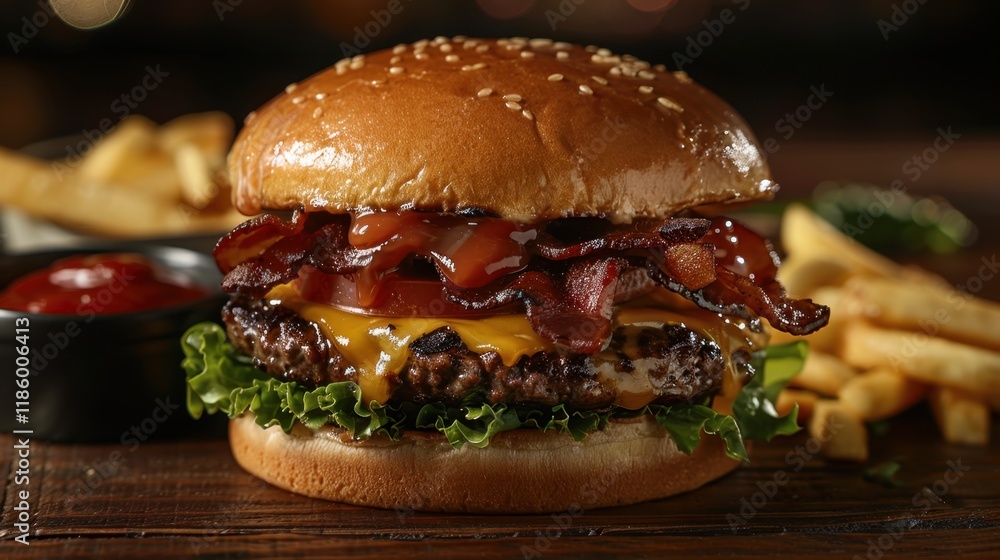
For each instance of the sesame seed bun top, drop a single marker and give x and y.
(525, 129)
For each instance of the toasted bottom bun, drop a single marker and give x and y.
(522, 471)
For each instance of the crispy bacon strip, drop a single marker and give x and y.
(569, 288)
(567, 303)
(624, 238)
(251, 238)
(317, 238)
(747, 269)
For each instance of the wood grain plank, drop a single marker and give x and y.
(181, 497)
(793, 545)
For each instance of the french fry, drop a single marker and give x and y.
(880, 394)
(83, 203)
(195, 174)
(808, 237)
(910, 305)
(210, 132)
(915, 334)
(842, 435)
(30, 185)
(804, 234)
(823, 373)
(140, 180)
(925, 358)
(963, 419)
(802, 276)
(788, 398)
(130, 159)
(105, 159)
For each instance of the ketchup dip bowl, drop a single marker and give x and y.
(95, 376)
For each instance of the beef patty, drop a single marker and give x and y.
(678, 364)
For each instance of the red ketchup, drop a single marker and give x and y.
(100, 284)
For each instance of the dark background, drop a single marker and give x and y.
(935, 70)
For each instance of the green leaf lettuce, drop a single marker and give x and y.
(221, 379)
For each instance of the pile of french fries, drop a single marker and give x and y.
(139, 180)
(897, 335)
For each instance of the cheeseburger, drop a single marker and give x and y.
(505, 286)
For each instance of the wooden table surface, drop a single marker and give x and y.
(189, 498)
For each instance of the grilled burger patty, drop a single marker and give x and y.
(681, 365)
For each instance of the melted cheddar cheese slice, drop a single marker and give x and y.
(378, 347)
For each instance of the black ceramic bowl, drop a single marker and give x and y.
(105, 377)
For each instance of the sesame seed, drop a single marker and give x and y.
(519, 39)
(601, 59)
(538, 43)
(341, 70)
(459, 38)
(290, 88)
(298, 99)
(599, 80)
(355, 64)
(604, 52)
(660, 68)
(669, 104)
(527, 54)
(562, 55)
(250, 116)
(512, 97)
(513, 105)
(479, 66)
(421, 56)
(485, 92)
(503, 42)
(615, 71)
(682, 76)
(482, 48)
(560, 45)
(555, 77)
(591, 48)
(317, 112)
(396, 70)
(515, 46)
(395, 60)
(421, 44)
(399, 49)
(470, 44)
(645, 89)
(528, 115)
(585, 89)
(320, 96)
(446, 48)
(646, 75)
(440, 39)
(451, 58)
